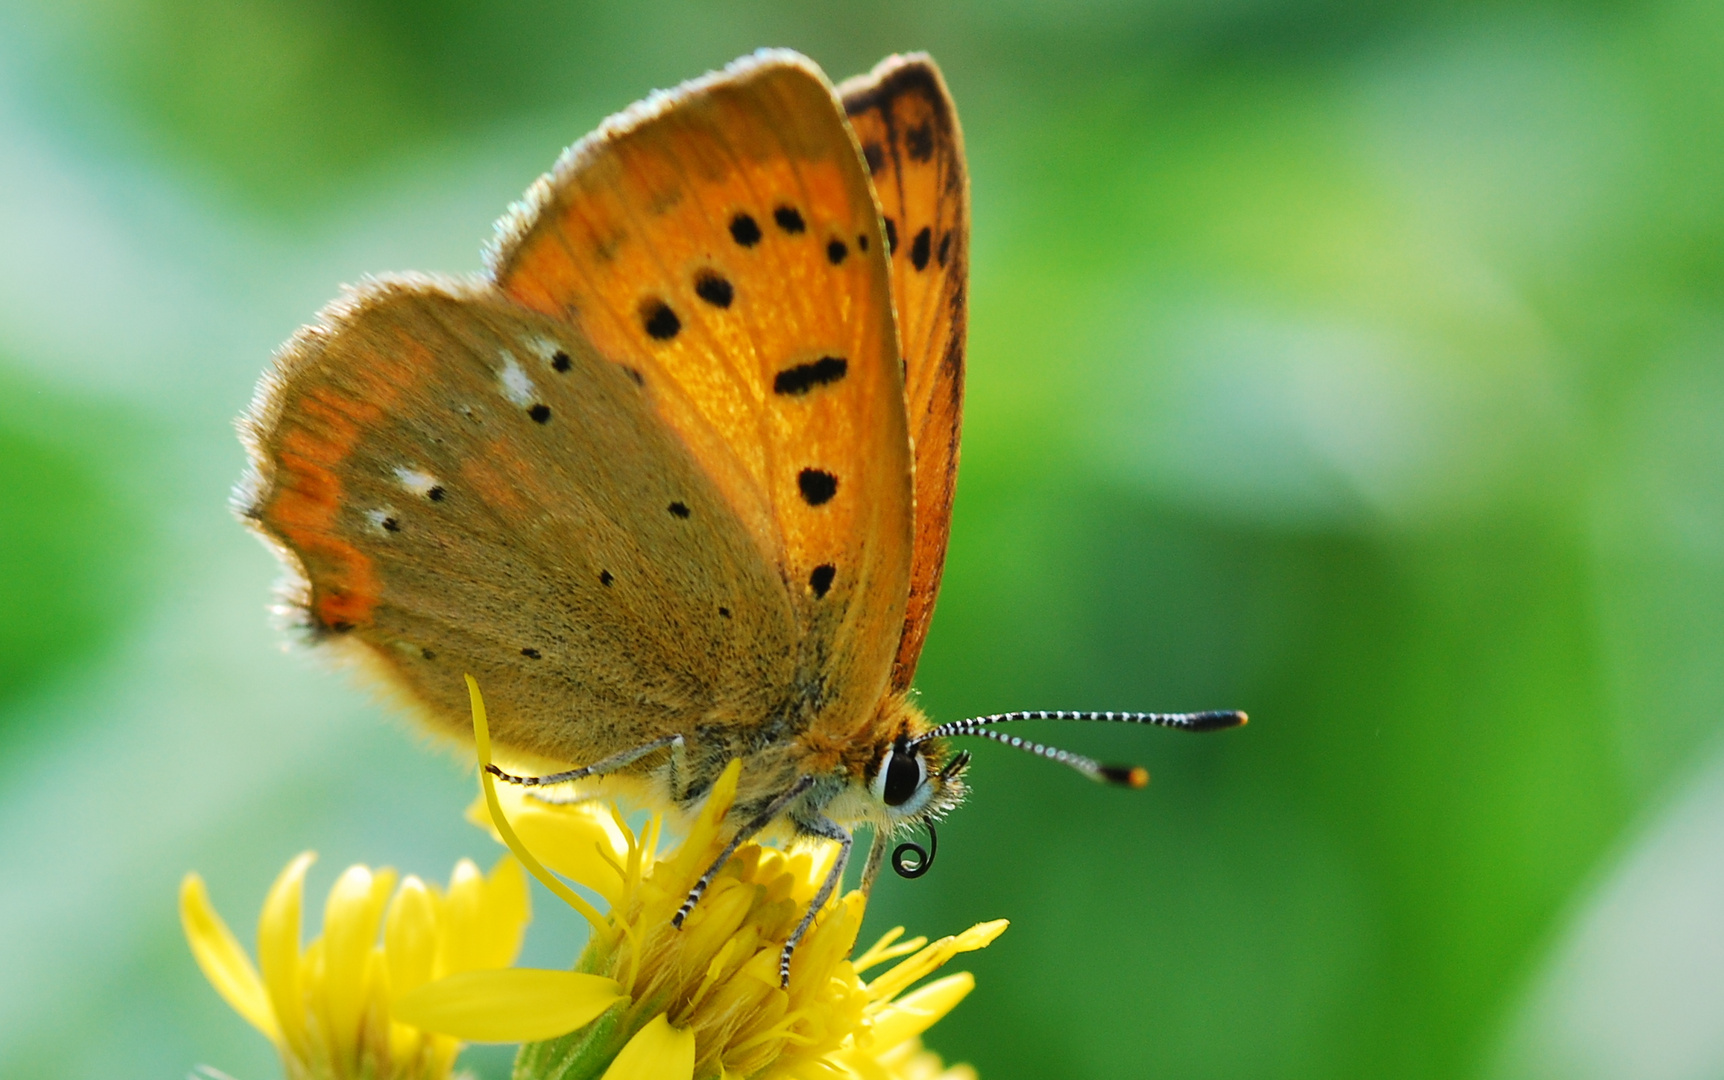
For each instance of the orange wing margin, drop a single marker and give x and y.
(904, 118)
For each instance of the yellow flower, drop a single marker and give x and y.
(330, 1008)
(704, 1001)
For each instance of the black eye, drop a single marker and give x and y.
(903, 777)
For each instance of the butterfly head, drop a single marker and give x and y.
(902, 779)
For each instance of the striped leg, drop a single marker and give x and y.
(762, 820)
(876, 856)
(828, 829)
(597, 768)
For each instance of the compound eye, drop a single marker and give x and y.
(904, 773)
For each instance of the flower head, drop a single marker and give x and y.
(704, 1000)
(329, 1007)
(646, 999)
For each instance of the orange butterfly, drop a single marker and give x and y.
(673, 480)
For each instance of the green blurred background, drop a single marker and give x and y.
(1357, 364)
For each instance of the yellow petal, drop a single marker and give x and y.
(405, 1043)
(715, 920)
(461, 927)
(888, 948)
(855, 1067)
(509, 1004)
(814, 874)
(799, 867)
(350, 919)
(915, 1013)
(909, 1061)
(410, 936)
(657, 1052)
(506, 910)
(224, 963)
(574, 841)
(891, 983)
(696, 850)
(981, 935)
(829, 941)
(482, 744)
(374, 1024)
(278, 948)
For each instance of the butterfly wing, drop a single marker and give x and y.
(722, 241)
(908, 128)
(466, 486)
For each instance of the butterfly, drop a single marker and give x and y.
(673, 478)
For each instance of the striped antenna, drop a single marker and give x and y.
(1123, 775)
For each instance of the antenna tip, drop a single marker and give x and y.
(1219, 720)
(1132, 776)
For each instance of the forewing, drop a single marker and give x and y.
(908, 129)
(466, 487)
(722, 241)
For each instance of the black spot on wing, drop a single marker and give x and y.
(714, 289)
(635, 374)
(427, 654)
(530, 653)
(391, 525)
(605, 578)
(723, 612)
(540, 413)
(861, 241)
(817, 486)
(821, 579)
(919, 141)
(945, 249)
(891, 238)
(920, 248)
(789, 219)
(660, 321)
(805, 377)
(560, 361)
(874, 156)
(435, 494)
(835, 252)
(744, 230)
(678, 509)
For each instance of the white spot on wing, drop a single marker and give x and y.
(545, 347)
(419, 483)
(517, 387)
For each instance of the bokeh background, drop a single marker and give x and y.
(1358, 364)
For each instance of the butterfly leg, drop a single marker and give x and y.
(828, 829)
(677, 770)
(876, 856)
(761, 821)
(597, 768)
